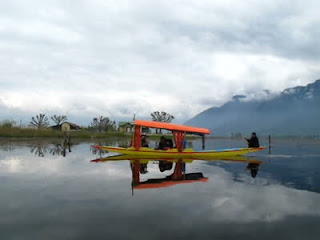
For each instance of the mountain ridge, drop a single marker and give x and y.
(295, 111)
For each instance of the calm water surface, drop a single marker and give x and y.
(48, 192)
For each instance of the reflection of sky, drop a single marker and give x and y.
(53, 196)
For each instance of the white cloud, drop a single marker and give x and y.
(120, 58)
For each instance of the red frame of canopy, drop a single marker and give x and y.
(178, 131)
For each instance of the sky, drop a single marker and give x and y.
(90, 58)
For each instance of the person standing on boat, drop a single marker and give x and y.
(253, 142)
(143, 141)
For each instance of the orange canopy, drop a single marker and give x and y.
(170, 126)
(167, 183)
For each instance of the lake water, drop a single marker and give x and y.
(48, 192)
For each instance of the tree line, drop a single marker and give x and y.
(100, 124)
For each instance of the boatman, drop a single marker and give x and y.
(253, 142)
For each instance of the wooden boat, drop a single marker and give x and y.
(179, 131)
(174, 152)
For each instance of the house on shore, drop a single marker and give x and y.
(145, 130)
(66, 126)
(125, 127)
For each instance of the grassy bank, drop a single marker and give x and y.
(15, 132)
(49, 133)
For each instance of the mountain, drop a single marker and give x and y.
(296, 111)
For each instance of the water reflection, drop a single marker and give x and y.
(7, 147)
(253, 167)
(98, 151)
(40, 149)
(179, 175)
(72, 198)
(139, 165)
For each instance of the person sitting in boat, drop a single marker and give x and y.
(143, 141)
(169, 143)
(163, 144)
(253, 142)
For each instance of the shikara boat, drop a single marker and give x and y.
(179, 131)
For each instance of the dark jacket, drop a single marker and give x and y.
(144, 143)
(253, 142)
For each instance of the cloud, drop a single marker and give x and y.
(120, 58)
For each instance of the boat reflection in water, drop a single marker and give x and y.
(253, 167)
(178, 176)
(139, 166)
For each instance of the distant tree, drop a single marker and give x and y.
(111, 126)
(161, 117)
(7, 124)
(59, 119)
(103, 124)
(40, 121)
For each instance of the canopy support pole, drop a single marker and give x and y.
(203, 142)
(178, 173)
(135, 168)
(178, 137)
(137, 136)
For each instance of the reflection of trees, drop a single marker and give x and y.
(60, 149)
(56, 149)
(125, 143)
(96, 151)
(38, 149)
(7, 147)
(121, 142)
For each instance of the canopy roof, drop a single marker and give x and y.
(171, 126)
(158, 183)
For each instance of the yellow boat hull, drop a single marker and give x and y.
(145, 159)
(173, 152)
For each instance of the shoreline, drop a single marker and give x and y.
(27, 133)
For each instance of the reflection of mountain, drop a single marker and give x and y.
(290, 172)
(295, 111)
